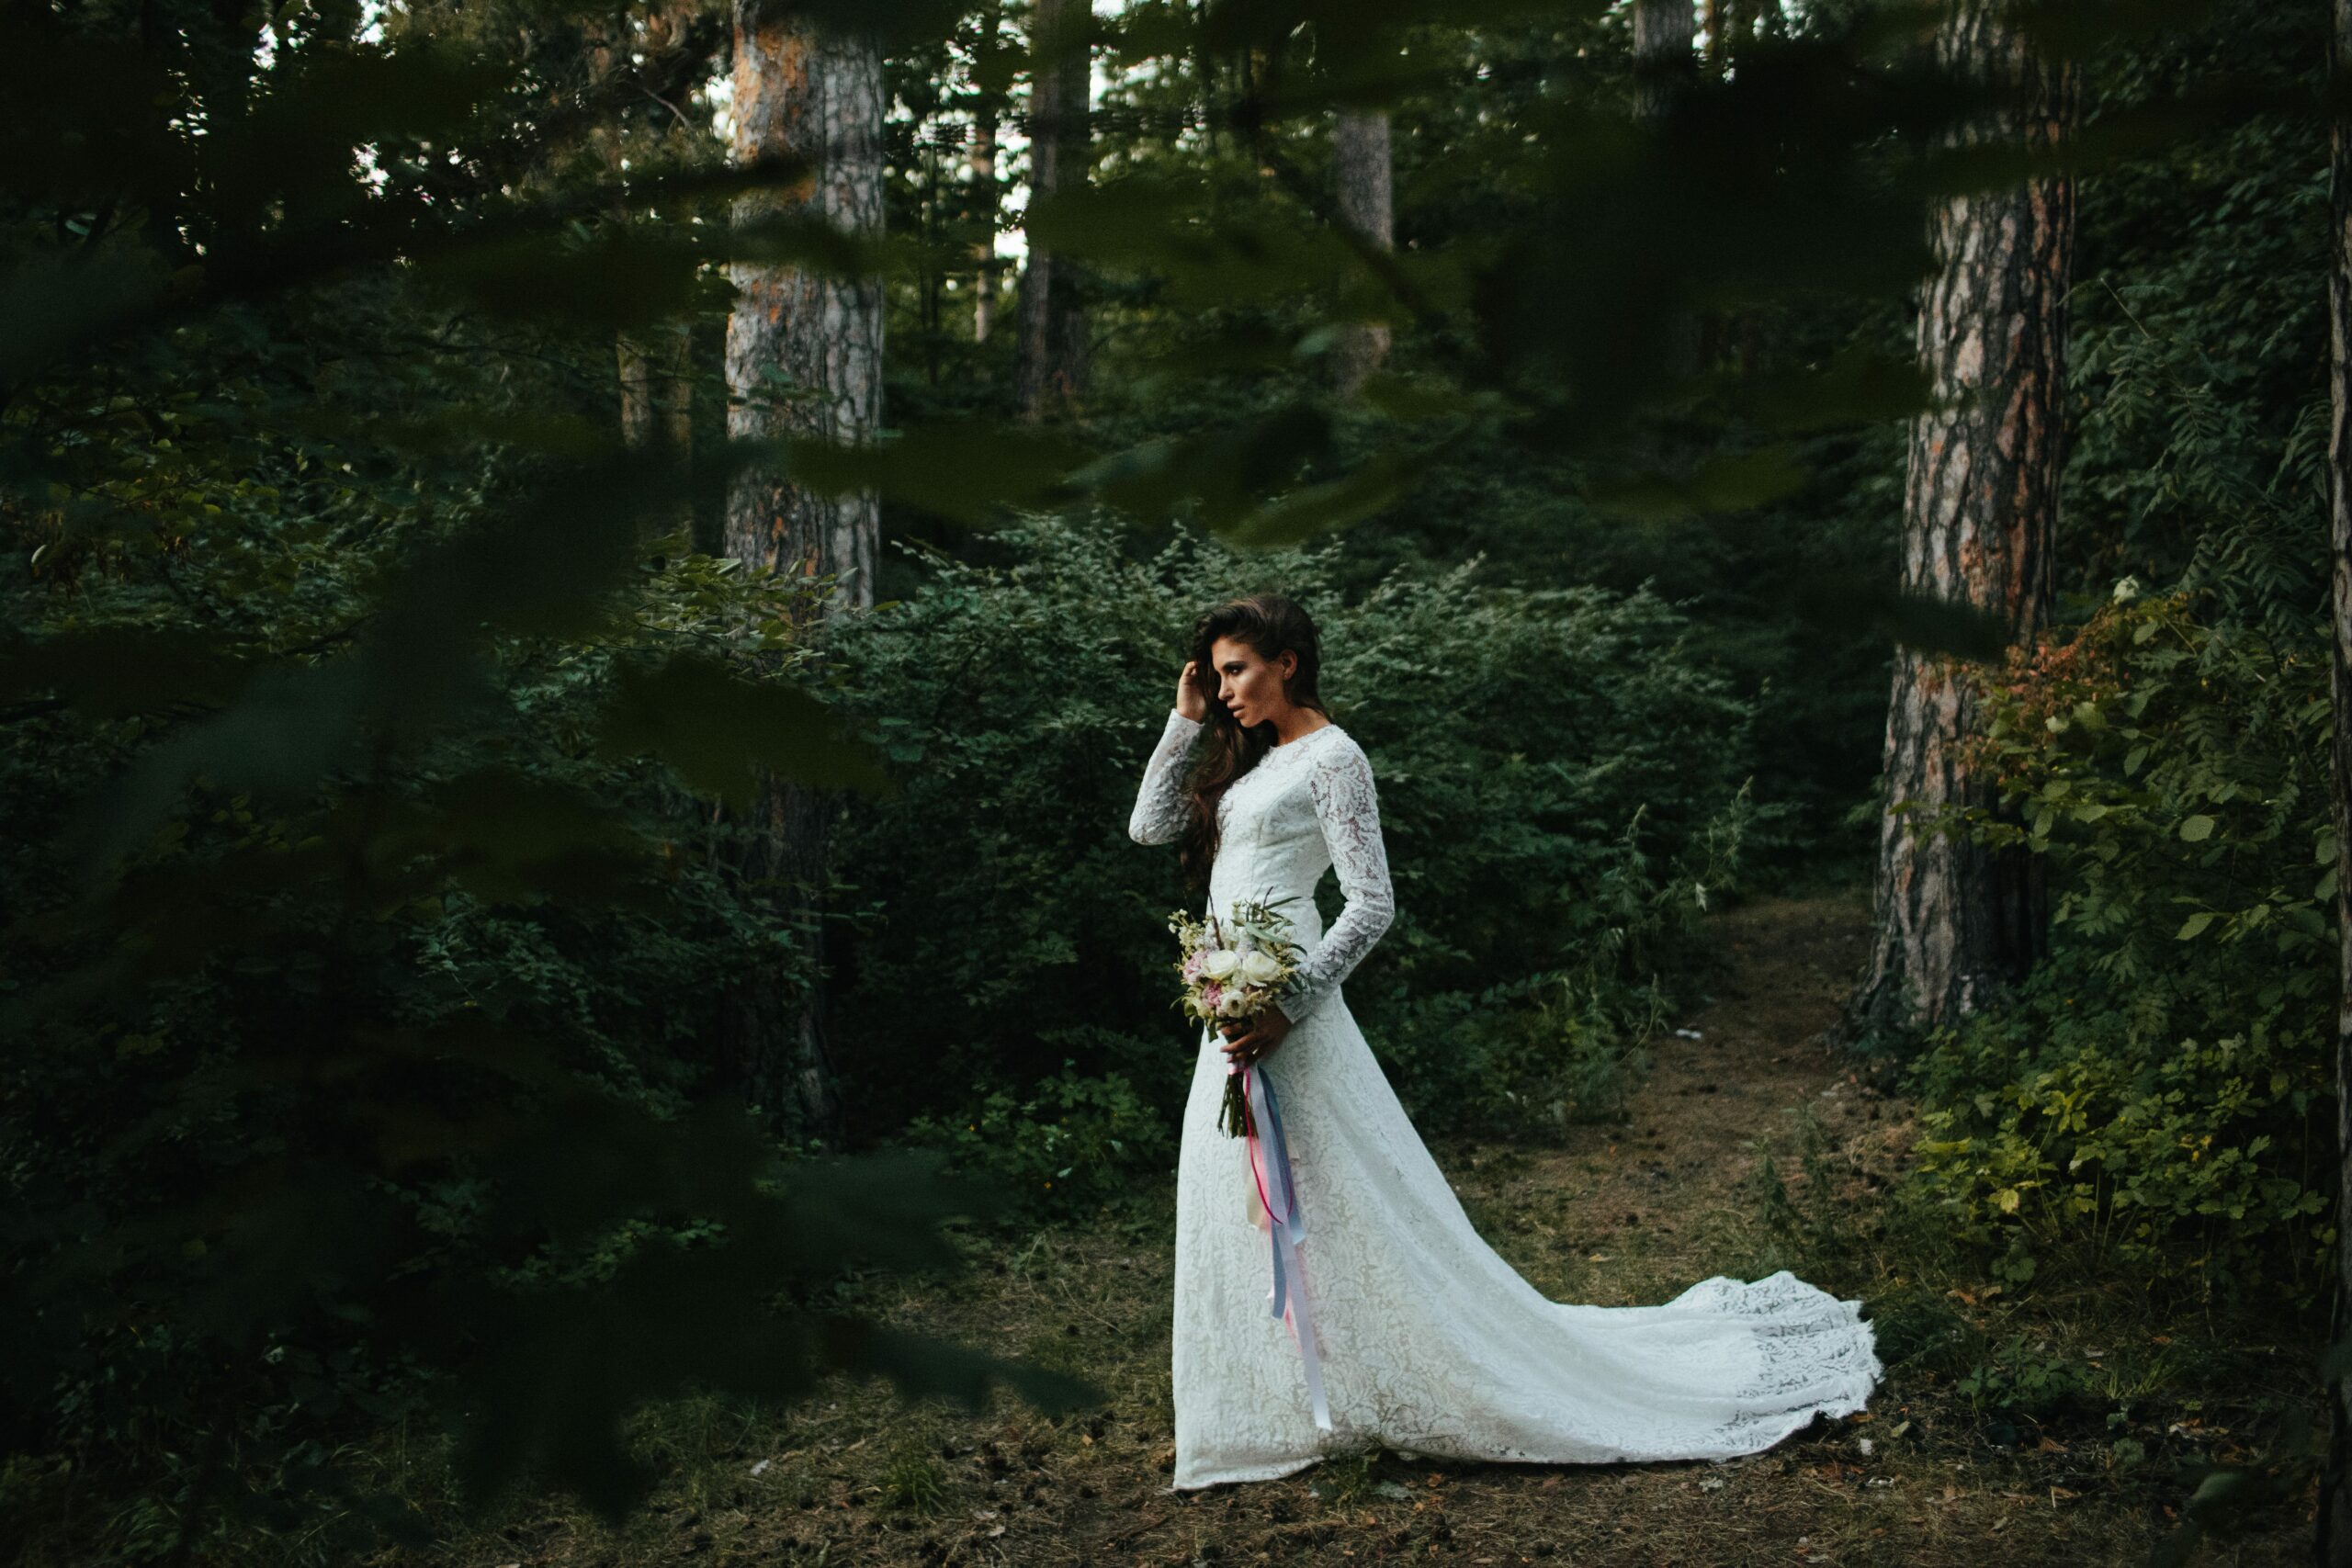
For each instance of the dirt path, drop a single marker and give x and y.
(1613, 1215)
(1630, 1215)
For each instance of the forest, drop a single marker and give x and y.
(589, 584)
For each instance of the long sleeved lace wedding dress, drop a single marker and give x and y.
(1430, 1342)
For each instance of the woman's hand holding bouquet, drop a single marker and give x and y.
(1231, 970)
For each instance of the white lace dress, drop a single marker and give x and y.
(1429, 1341)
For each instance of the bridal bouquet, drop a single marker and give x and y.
(1231, 969)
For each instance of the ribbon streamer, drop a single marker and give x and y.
(1268, 1154)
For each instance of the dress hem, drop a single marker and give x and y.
(1849, 1401)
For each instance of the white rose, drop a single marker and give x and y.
(1260, 967)
(1232, 1004)
(1220, 963)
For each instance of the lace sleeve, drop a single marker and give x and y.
(1162, 805)
(1350, 811)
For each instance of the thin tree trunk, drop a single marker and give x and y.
(1664, 65)
(655, 366)
(1360, 153)
(798, 91)
(987, 196)
(1955, 921)
(987, 200)
(657, 402)
(2333, 1548)
(1664, 71)
(1053, 314)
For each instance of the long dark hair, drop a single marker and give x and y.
(1273, 625)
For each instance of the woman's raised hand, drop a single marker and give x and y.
(1189, 701)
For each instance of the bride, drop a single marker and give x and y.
(1407, 1328)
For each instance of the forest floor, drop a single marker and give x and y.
(2048, 1431)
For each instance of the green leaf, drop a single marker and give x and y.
(958, 470)
(1732, 483)
(2193, 925)
(712, 727)
(1296, 517)
(2197, 830)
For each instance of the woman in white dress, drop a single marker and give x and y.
(1426, 1340)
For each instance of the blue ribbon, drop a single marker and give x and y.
(1270, 1168)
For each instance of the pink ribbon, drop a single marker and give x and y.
(1268, 1156)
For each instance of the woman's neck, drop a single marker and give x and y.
(1296, 723)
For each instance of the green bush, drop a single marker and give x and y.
(1560, 792)
(2160, 1091)
(1073, 1142)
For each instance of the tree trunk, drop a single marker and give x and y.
(656, 365)
(1052, 315)
(987, 199)
(1665, 70)
(657, 403)
(798, 91)
(2333, 1546)
(1955, 921)
(1664, 66)
(1367, 206)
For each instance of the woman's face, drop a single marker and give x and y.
(1250, 687)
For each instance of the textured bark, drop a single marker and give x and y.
(987, 199)
(1053, 312)
(2333, 1548)
(1360, 154)
(1955, 921)
(655, 365)
(1665, 70)
(1664, 66)
(800, 92)
(657, 403)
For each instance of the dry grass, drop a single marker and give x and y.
(1621, 1214)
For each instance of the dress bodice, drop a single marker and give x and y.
(1307, 807)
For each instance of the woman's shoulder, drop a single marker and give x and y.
(1334, 749)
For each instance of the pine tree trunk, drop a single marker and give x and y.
(657, 403)
(655, 366)
(987, 199)
(1360, 158)
(2334, 1545)
(820, 96)
(1665, 70)
(796, 91)
(1053, 314)
(1955, 921)
(1664, 66)
(985, 194)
